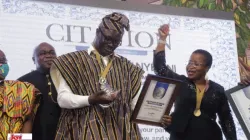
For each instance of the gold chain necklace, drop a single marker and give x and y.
(50, 91)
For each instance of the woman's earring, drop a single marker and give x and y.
(206, 77)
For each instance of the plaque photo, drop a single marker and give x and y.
(156, 99)
(239, 99)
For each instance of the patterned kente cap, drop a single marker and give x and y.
(115, 21)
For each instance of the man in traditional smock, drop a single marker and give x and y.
(96, 88)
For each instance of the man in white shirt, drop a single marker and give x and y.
(96, 89)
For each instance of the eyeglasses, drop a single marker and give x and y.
(110, 40)
(195, 64)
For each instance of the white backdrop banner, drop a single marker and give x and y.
(25, 24)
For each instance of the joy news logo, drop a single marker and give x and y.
(20, 136)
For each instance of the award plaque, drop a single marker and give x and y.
(156, 99)
(239, 99)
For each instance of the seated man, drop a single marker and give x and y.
(18, 103)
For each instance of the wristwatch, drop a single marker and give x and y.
(161, 41)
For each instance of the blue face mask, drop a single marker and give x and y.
(4, 70)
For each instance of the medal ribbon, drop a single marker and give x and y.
(199, 96)
(107, 68)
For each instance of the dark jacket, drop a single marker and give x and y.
(48, 113)
(214, 102)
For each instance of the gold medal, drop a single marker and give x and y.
(199, 96)
(102, 80)
(197, 112)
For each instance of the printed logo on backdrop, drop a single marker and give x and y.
(19, 136)
(136, 45)
(135, 38)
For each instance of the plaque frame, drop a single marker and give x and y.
(143, 93)
(235, 107)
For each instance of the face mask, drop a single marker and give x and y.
(4, 70)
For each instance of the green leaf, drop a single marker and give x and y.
(244, 32)
(241, 45)
(205, 3)
(173, 3)
(229, 5)
(219, 7)
(247, 17)
(243, 22)
(212, 6)
(166, 2)
(195, 5)
(200, 3)
(178, 3)
(244, 8)
(225, 3)
(190, 4)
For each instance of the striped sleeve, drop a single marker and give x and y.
(68, 67)
(136, 76)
